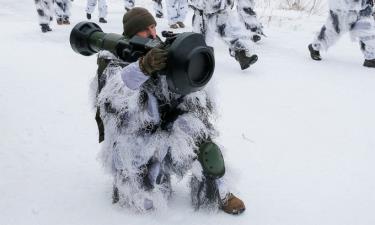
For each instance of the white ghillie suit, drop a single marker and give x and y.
(62, 9)
(248, 16)
(354, 16)
(215, 16)
(176, 10)
(145, 141)
(102, 7)
(45, 11)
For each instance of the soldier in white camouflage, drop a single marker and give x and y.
(150, 133)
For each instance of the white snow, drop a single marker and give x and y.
(299, 134)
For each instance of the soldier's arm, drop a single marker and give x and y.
(133, 77)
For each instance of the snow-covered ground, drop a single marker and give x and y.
(299, 134)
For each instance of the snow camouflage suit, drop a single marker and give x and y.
(45, 9)
(102, 7)
(212, 16)
(142, 151)
(354, 16)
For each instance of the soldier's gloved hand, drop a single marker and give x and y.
(154, 60)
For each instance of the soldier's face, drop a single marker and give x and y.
(149, 32)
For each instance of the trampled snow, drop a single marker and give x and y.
(299, 135)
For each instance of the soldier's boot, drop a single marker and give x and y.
(256, 38)
(45, 28)
(159, 15)
(66, 21)
(88, 16)
(244, 60)
(102, 20)
(173, 26)
(315, 55)
(232, 205)
(59, 21)
(115, 195)
(369, 63)
(181, 24)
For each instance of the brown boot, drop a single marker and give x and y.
(59, 21)
(174, 26)
(66, 21)
(232, 205)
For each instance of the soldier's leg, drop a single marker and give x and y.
(172, 13)
(129, 4)
(66, 11)
(44, 10)
(143, 191)
(329, 33)
(231, 31)
(102, 7)
(247, 15)
(213, 193)
(364, 30)
(204, 25)
(182, 11)
(176, 10)
(158, 8)
(62, 11)
(90, 7)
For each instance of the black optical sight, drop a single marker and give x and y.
(190, 62)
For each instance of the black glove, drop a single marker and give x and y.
(154, 60)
